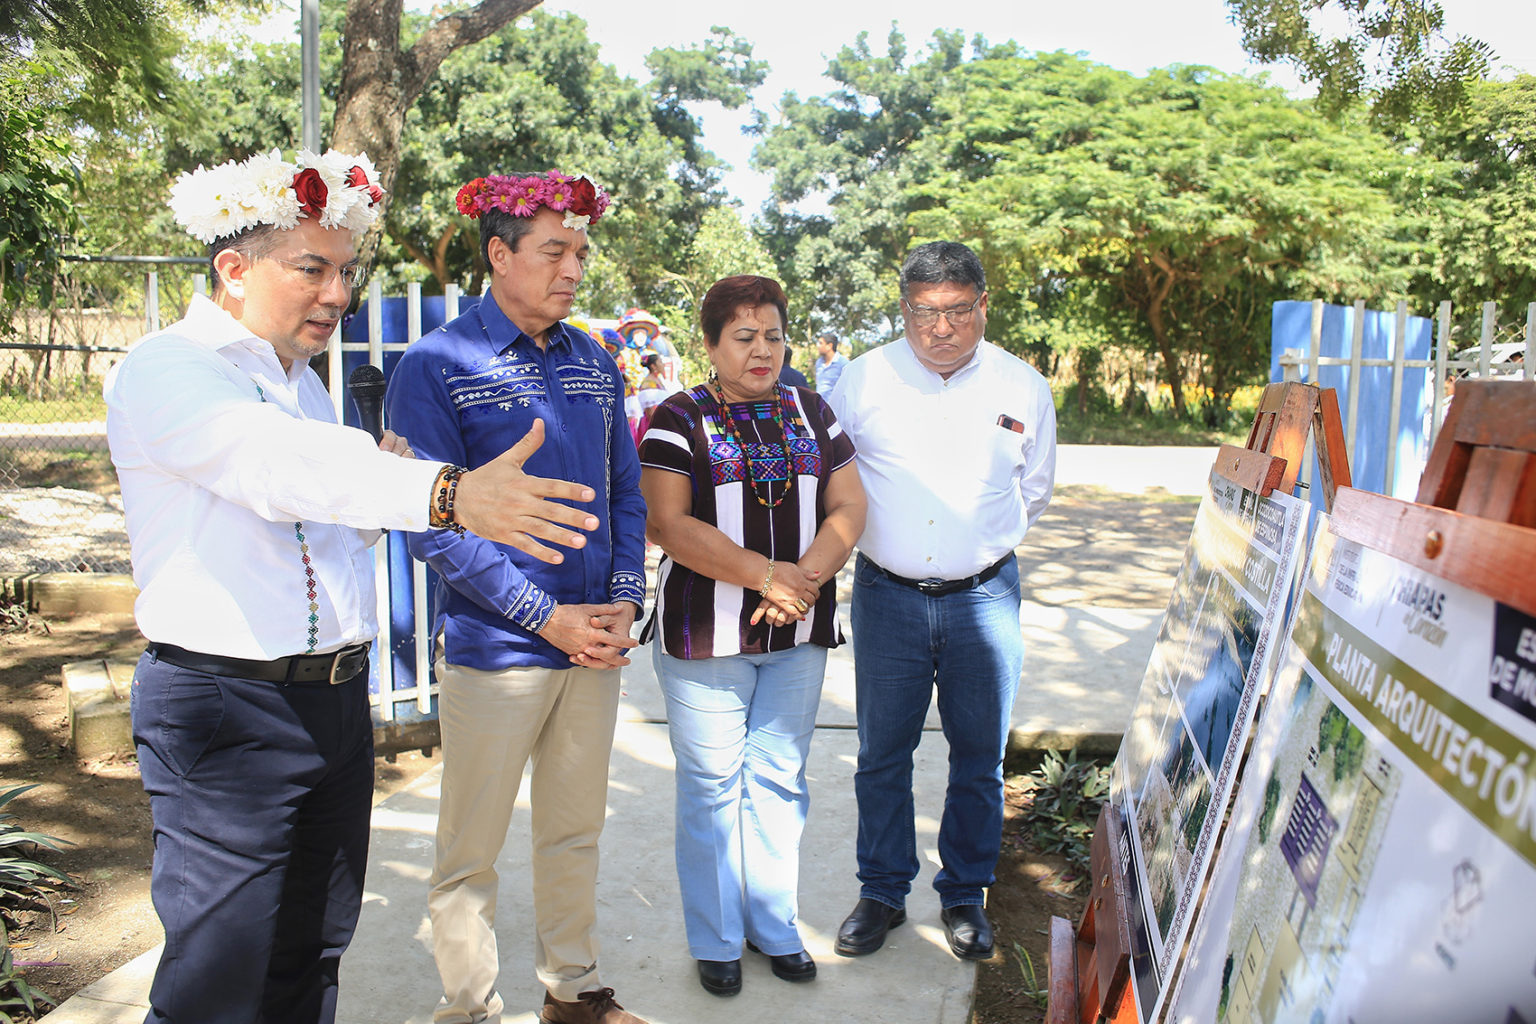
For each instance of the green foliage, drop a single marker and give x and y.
(1089, 234)
(117, 46)
(1336, 734)
(23, 883)
(722, 247)
(1066, 796)
(1394, 53)
(16, 995)
(1486, 173)
(1033, 991)
(36, 186)
(1271, 805)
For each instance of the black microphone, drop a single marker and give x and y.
(367, 387)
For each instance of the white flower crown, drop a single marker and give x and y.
(339, 189)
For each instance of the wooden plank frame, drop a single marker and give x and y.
(1091, 971)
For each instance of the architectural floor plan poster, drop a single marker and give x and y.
(1192, 717)
(1381, 862)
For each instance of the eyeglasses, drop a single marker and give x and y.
(317, 273)
(926, 316)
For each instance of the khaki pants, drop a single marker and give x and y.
(492, 724)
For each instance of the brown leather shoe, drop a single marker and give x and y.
(589, 1008)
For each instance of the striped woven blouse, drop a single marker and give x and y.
(700, 617)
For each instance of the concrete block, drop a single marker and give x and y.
(96, 693)
(56, 595)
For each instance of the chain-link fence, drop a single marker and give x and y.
(60, 510)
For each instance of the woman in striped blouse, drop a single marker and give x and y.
(753, 496)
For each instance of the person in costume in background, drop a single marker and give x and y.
(527, 654)
(250, 512)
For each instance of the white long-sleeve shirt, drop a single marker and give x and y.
(956, 470)
(225, 459)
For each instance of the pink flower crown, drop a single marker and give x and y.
(579, 198)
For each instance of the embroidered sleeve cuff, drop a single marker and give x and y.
(531, 608)
(627, 586)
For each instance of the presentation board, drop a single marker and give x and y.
(1178, 762)
(1381, 860)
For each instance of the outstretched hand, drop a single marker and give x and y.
(500, 502)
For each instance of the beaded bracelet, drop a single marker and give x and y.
(445, 489)
(767, 580)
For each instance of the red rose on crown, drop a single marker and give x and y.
(311, 191)
(584, 198)
(358, 178)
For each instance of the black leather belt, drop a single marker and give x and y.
(938, 588)
(333, 668)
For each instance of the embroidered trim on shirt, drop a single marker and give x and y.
(627, 586)
(530, 607)
(501, 381)
(587, 380)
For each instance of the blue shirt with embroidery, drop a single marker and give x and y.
(464, 394)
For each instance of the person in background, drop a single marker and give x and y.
(652, 390)
(527, 654)
(957, 447)
(754, 499)
(829, 364)
(789, 375)
(250, 513)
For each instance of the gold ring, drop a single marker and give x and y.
(801, 605)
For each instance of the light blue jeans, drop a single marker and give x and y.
(741, 730)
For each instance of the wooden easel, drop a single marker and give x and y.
(1472, 523)
(1090, 966)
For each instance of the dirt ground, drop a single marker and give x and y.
(1089, 547)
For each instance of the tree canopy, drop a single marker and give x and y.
(1394, 54)
(1166, 212)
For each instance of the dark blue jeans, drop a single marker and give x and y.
(967, 645)
(261, 795)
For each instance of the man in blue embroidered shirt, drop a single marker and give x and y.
(527, 652)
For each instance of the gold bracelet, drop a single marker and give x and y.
(767, 580)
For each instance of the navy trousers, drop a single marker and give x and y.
(261, 794)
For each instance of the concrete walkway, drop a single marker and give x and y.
(1084, 662)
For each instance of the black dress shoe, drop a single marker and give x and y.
(791, 966)
(969, 931)
(722, 977)
(863, 931)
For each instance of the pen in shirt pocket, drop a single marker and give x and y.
(1009, 423)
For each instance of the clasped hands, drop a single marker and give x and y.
(790, 596)
(594, 635)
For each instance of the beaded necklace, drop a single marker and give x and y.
(309, 569)
(779, 418)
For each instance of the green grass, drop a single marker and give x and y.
(1105, 423)
(76, 405)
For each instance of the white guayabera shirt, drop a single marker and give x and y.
(233, 471)
(956, 470)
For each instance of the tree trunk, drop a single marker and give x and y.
(1159, 278)
(379, 82)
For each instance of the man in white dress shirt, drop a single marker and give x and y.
(250, 513)
(957, 451)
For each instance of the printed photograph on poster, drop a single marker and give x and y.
(1373, 871)
(1172, 778)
